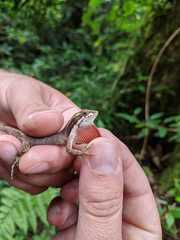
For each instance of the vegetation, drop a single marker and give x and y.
(108, 47)
(22, 214)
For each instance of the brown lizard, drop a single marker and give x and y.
(68, 136)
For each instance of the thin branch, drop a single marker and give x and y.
(149, 84)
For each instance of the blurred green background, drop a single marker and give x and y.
(100, 53)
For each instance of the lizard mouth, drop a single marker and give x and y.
(86, 135)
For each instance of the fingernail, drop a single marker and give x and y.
(42, 112)
(37, 118)
(104, 160)
(37, 168)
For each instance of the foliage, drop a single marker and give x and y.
(22, 214)
(74, 58)
(161, 125)
(170, 213)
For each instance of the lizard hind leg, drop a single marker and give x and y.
(74, 151)
(80, 149)
(13, 166)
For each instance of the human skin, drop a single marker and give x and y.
(114, 195)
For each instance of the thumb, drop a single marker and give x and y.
(100, 193)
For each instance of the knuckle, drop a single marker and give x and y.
(103, 205)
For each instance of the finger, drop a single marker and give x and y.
(45, 159)
(3, 173)
(31, 112)
(100, 193)
(20, 184)
(46, 180)
(11, 140)
(33, 190)
(8, 153)
(70, 191)
(139, 201)
(68, 234)
(139, 205)
(77, 164)
(62, 214)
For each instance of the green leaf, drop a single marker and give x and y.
(32, 219)
(177, 199)
(94, 4)
(130, 7)
(129, 118)
(20, 212)
(41, 210)
(156, 116)
(176, 212)
(137, 111)
(144, 132)
(169, 220)
(21, 218)
(162, 132)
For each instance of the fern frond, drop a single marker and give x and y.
(21, 212)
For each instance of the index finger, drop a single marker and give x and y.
(33, 106)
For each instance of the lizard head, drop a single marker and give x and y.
(87, 117)
(84, 118)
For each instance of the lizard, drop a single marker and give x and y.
(67, 136)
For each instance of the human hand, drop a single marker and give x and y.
(114, 195)
(38, 110)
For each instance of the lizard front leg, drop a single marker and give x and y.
(72, 147)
